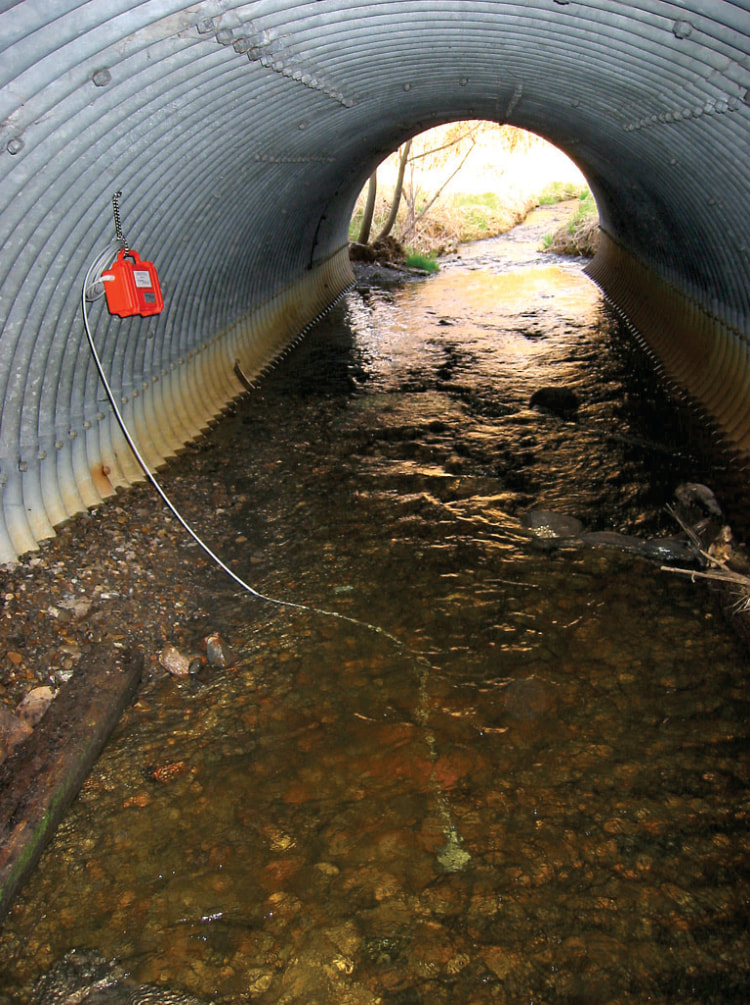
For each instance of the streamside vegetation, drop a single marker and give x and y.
(461, 182)
(580, 235)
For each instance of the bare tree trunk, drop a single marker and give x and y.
(372, 190)
(388, 225)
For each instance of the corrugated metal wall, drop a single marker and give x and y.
(240, 135)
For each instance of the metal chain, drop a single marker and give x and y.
(118, 224)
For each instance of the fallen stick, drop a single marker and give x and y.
(45, 773)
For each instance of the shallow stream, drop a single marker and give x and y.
(518, 774)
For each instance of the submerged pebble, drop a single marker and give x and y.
(218, 653)
(174, 662)
(548, 524)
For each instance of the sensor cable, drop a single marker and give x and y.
(85, 294)
(452, 857)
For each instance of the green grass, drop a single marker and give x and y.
(579, 236)
(488, 200)
(586, 209)
(462, 217)
(416, 260)
(562, 191)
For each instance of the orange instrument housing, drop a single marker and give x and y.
(132, 286)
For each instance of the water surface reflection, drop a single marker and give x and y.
(540, 796)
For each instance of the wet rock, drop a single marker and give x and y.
(218, 653)
(611, 539)
(85, 976)
(551, 526)
(698, 513)
(666, 550)
(166, 773)
(35, 704)
(528, 698)
(174, 662)
(670, 550)
(62, 675)
(693, 494)
(546, 523)
(560, 401)
(78, 976)
(13, 730)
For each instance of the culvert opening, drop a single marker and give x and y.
(465, 181)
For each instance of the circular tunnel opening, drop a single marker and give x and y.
(460, 182)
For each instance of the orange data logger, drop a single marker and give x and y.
(132, 286)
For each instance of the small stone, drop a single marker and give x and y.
(35, 704)
(457, 963)
(259, 981)
(141, 800)
(218, 653)
(174, 662)
(279, 841)
(168, 772)
(499, 960)
(79, 607)
(528, 698)
(327, 868)
(548, 524)
(560, 401)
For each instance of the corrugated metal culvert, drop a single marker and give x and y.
(240, 135)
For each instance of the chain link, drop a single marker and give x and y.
(118, 223)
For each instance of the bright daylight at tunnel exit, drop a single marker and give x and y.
(373, 502)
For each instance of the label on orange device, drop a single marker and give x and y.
(142, 278)
(132, 286)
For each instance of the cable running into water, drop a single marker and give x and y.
(452, 857)
(171, 506)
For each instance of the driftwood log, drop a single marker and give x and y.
(45, 773)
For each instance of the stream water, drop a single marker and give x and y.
(518, 774)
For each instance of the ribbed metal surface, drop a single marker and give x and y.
(695, 351)
(240, 135)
